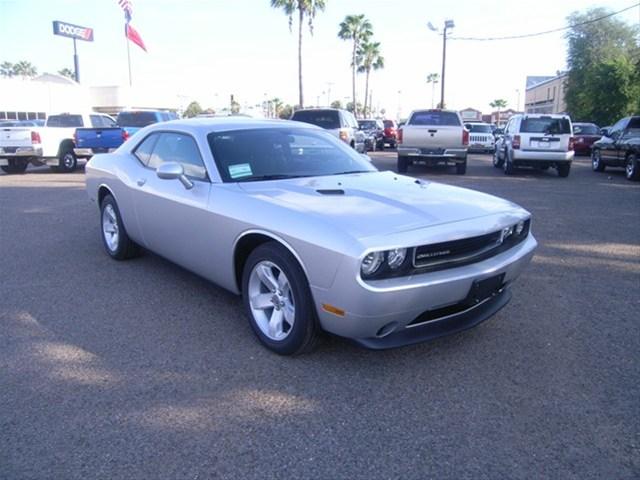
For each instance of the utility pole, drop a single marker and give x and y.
(447, 25)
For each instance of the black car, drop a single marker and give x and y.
(619, 147)
(374, 134)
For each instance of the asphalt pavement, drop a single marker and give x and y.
(142, 370)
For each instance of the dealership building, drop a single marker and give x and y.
(545, 94)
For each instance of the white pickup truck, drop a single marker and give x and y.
(431, 137)
(51, 145)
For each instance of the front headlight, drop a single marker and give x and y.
(371, 263)
(395, 257)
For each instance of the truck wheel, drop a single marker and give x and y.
(461, 168)
(507, 165)
(564, 169)
(596, 161)
(497, 161)
(403, 164)
(16, 165)
(632, 169)
(114, 236)
(68, 162)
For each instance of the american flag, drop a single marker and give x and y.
(126, 7)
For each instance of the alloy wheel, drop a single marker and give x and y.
(110, 229)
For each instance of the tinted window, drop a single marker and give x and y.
(108, 121)
(145, 149)
(389, 124)
(97, 121)
(585, 129)
(367, 124)
(272, 153)
(322, 118)
(65, 121)
(136, 119)
(180, 148)
(475, 128)
(545, 125)
(634, 123)
(434, 117)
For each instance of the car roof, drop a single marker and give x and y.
(222, 124)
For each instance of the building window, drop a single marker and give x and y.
(11, 116)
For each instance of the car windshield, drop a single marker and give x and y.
(388, 124)
(328, 119)
(546, 125)
(435, 118)
(136, 119)
(585, 129)
(65, 121)
(480, 128)
(367, 124)
(277, 153)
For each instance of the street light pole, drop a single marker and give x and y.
(447, 24)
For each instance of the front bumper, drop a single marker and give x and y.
(426, 154)
(542, 156)
(380, 314)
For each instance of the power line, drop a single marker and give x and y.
(546, 32)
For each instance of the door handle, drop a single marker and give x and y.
(141, 181)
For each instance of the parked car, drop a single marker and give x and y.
(431, 137)
(584, 135)
(619, 147)
(536, 140)
(51, 145)
(390, 133)
(374, 134)
(308, 232)
(340, 123)
(481, 137)
(107, 137)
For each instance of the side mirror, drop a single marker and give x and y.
(174, 171)
(604, 132)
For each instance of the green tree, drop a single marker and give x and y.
(350, 108)
(432, 79)
(193, 110)
(603, 59)
(357, 29)
(336, 104)
(304, 8)
(67, 72)
(6, 69)
(498, 104)
(285, 112)
(277, 106)
(24, 69)
(369, 58)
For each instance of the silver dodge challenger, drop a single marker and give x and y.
(309, 232)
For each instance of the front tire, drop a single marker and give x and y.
(632, 169)
(497, 161)
(564, 169)
(507, 165)
(115, 239)
(596, 161)
(403, 164)
(278, 302)
(68, 162)
(16, 165)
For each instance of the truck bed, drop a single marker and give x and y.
(99, 140)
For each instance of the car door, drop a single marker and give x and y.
(171, 216)
(610, 144)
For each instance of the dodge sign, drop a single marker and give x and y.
(73, 31)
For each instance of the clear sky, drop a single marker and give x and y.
(207, 49)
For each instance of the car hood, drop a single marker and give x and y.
(378, 203)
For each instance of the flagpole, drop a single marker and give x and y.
(126, 38)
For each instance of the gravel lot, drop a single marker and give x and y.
(140, 369)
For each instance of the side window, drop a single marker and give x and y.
(351, 120)
(108, 121)
(145, 149)
(180, 148)
(96, 121)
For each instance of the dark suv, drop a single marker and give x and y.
(339, 123)
(374, 134)
(619, 147)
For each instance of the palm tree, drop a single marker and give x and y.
(277, 107)
(67, 72)
(369, 58)
(6, 69)
(25, 69)
(433, 78)
(357, 29)
(498, 103)
(305, 8)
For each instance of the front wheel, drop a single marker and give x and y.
(564, 169)
(403, 164)
(67, 162)
(596, 161)
(632, 169)
(115, 239)
(16, 165)
(278, 302)
(507, 165)
(497, 161)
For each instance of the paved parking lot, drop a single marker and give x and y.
(140, 369)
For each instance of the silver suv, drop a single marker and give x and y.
(340, 123)
(536, 140)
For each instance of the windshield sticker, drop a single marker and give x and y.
(240, 170)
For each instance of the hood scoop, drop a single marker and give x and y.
(334, 191)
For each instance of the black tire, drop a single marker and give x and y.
(403, 164)
(304, 332)
(507, 165)
(632, 167)
(380, 145)
(543, 167)
(126, 248)
(497, 161)
(16, 165)
(461, 167)
(68, 161)
(596, 161)
(563, 169)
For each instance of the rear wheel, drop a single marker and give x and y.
(632, 169)
(564, 169)
(68, 162)
(278, 302)
(596, 161)
(403, 164)
(16, 165)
